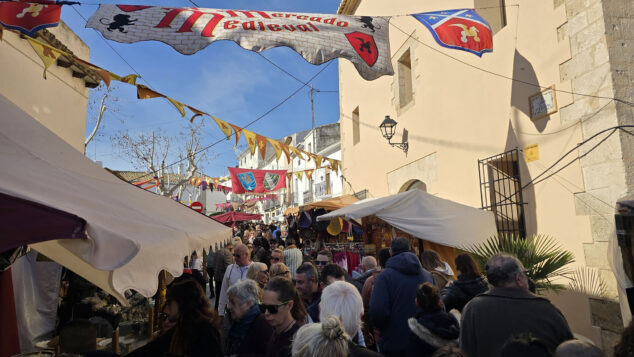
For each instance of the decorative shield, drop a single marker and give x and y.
(247, 180)
(365, 46)
(270, 181)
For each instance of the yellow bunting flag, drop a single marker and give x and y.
(196, 112)
(288, 176)
(224, 126)
(47, 53)
(309, 174)
(261, 145)
(178, 106)
(287, 152)
(278, 148)
(334, 165)
(318, 160)
(238, 131)
(299, 175)
(250, 137)
(144, 92)
(297, 152)
(130, 79)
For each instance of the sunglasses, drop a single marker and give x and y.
(275, 259)
(273, 309)
(237, 255)
(320, 262)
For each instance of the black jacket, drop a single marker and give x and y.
(430, 331)
(355, 350)
(491, 318)
(461, 291)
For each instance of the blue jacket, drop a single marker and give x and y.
(393, 300)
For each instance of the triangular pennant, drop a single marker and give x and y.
(299, 175)
(278, 148)
(224, 126)
(288, 176)
(144, 92)
(318, 160)
(47, 54)
(178, 105)
(309, 174)
(238, 131)
(297, 152)
(261, 145)
(334, 165)
(196, 113)
(287, 152)
(102, 73)
(250, 137)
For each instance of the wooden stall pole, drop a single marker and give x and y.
(115, 342)
(150, 325)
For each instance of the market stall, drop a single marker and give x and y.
(230, 218)
(130, 235)
(437, 223)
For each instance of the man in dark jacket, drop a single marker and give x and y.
(222, 259)
(393, 297)
(507, 310)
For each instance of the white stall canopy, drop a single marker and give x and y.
(425, 216)
(132, 233)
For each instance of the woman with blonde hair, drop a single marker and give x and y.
(327, 338)
(281, 270)
(259, 273)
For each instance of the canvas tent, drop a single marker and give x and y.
(132, 234)
(425, 216)
(328, 204)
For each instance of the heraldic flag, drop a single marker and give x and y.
(256, 181)
(30, 17)
(459, 29)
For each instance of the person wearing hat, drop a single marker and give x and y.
(393, 297)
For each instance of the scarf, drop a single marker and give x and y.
(238, 329)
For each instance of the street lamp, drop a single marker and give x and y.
(388, 128)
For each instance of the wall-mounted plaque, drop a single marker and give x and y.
(543, 103)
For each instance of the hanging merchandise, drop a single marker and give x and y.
(319, 38)
(334, 228)
(305, 220)
(460, 29)
(30, 17)
(256, 181)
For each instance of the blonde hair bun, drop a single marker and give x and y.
(332, 328)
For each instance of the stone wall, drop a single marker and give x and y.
(600, 34)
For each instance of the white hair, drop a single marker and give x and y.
(247, 291)
(321, 339)
(368, 262)
(343, 300)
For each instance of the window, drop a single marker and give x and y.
(501, 192)
(310, 148)
(355, 127)
(493, 11)
(405, 94)
(327, 183)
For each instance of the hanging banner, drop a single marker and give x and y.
(256, 181)
(29, 18)
(364, 40)
(460, 29)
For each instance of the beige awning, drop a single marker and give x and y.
(329, 204)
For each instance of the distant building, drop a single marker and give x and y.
(324, 183)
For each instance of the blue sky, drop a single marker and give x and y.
(223, 79)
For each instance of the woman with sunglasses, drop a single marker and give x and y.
(196, 332)
(285, 312)
(259, 273)
(248, 332)
(281, 270)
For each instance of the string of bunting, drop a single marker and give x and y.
(49, 55)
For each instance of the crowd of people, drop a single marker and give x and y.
(272, 300)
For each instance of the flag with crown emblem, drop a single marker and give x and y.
(461, 29)
(256, 181)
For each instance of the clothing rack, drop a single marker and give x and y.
(352, 247)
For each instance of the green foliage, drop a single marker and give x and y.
(541, 255)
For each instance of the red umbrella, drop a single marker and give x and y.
(230, 218)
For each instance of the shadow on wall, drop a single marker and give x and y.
(520, 92)
(528, 194)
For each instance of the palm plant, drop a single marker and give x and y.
(541, 255)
